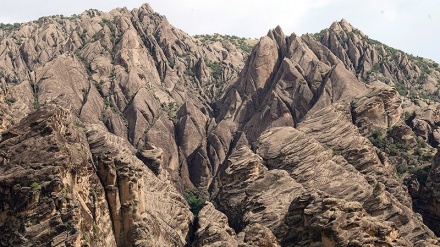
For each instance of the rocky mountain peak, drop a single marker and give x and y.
(119, 129)
(371, 60)
(341, 25)
(146, 7)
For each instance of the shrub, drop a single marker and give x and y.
(35, 186)
(378, 139)
(194, 200)
(393, 150)
(216, 69)
(401, 89)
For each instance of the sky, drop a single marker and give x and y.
(409, 25)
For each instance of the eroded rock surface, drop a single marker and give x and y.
(50, 192)
(109, 121)
(428, 198)
(145, 210)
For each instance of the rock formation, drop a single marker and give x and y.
(51, 193)
(118, 129)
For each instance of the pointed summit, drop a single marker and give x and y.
(345, 25)
(278, 31)
(147, 7)
(342, 25)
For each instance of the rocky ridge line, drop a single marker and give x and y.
(303, 146)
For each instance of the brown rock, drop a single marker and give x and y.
(378, 109)
(247, 189)
(402, 133)
(145, 210)
(50, 193)
(316, 219)
(213, 229)
(429, 197)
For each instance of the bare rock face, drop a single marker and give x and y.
(378, 109)
(297, 80)
(424, 123)
(258, 235)
(319, 220)
(402, 133)
(191, 138)
(249, 200)
(332, 127)
(213, 229)
(287, 148)
(127, 70)
(359, 152)
(145, 210)
(49, 189)
(429, 198)
(108, 121)
(370, 60)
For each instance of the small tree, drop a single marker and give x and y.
(194, 200)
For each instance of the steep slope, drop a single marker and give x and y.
(283, 79)
(111, 120)
(415, 78)
(370, 60)
(50, 192)
(127, 70)
(296, 81)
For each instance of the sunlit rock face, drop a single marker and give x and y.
(118, 129)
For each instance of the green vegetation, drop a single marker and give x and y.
(401, 89)
(409, 73)
(170, 108)
(319, 35)
(9, 28)
(417, 158)
(216, 69)
(92, 192)
(95, 229)
(378, 139)
(195, 200)
(241, 43)
(189, 72)
(35, 186)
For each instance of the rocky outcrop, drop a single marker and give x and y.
(427, 200)
(145, 210)
(287, 148)
(283, 79)
(50, 192)
(425, 121)
(129, 70)
(378, 109)
(316, 219)
(213, 230)
(249, 200)
(371, 60)
(109, 121)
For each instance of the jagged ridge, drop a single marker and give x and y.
(286, 153)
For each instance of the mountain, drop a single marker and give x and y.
(118, 129)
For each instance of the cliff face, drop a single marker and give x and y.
(50, 190)
(111, 120)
